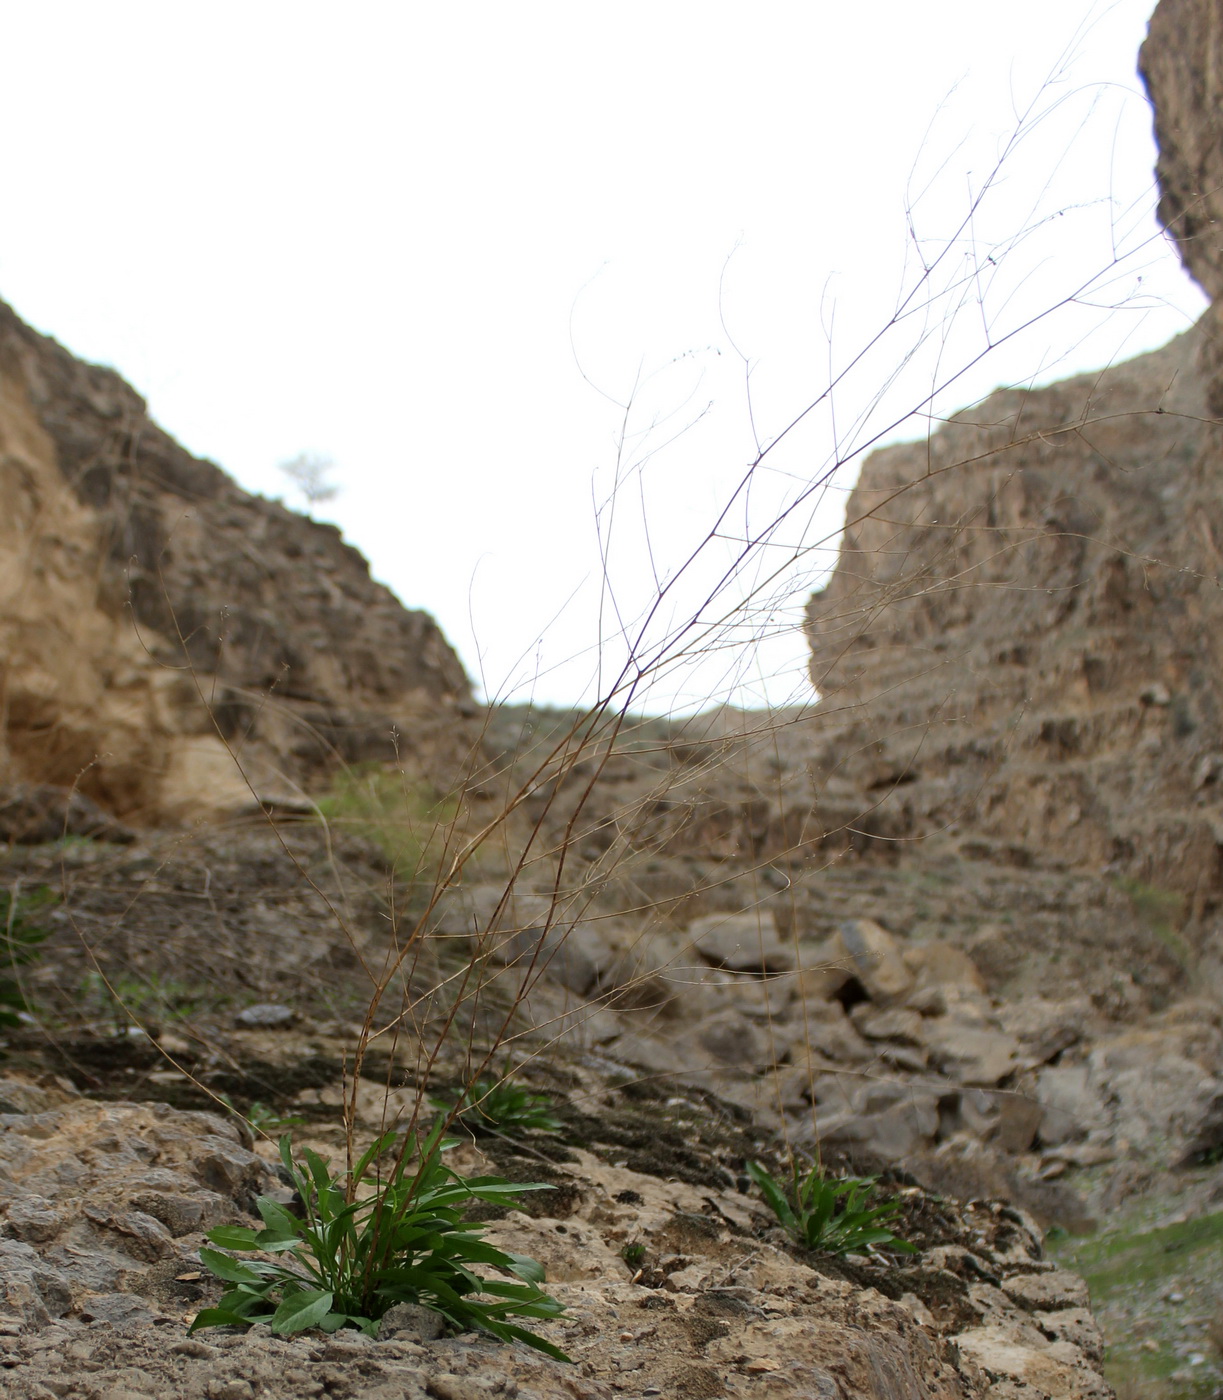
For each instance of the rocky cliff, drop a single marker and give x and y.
(1182, 63)
(156, 620)
(1020, 643)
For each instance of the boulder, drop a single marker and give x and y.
(892, 1023)
(928, 1001)
(892, 1132)
(824, 975)
(941, 964)
(1158, 1094)
(820, 1040)
(734, 1040)
(742, 942)
(1045, 1028)
(35, 812)
(969, 1054)
(1020, 1119)
(476, 911)
(524, 931)
(871, 954)
(1070, 1104)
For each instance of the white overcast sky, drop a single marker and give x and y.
(502, 263)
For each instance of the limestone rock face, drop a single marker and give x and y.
(103, 1209)
(1182, 66)
(152, 613)
(1019, 642)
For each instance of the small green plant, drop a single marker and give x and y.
(20, 939)
(127, 1001)
(501, 1106)
(368, 1242)
(262, 1118)
(832, 1214)
(633, 1254)
(1163, 911)
(406, 819)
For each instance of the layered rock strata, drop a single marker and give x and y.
(1021, 639)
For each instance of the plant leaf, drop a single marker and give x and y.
(228, 1268)
(527, 1268)
(234, 1237)
(774, 1196)
(217, 1317)
(371, 1154)
(509, 1333)
(281, 1223)
(304, 1308)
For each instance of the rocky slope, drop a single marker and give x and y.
(104, 1205)
(154, 618)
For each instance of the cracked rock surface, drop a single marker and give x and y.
(103, 1206)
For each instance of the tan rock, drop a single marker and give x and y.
(1019, 1120)
(1071, 1106)
(971, 1055)
(1055, 1288)
(742, 942)
(875, 958)
(893, 1133)
(938, 964)
(828, 1039)
(930, 1000)
(734, 1040)
(143, 595)
(1075, 1325)
(893, 1023)
(822, 982)
(1054, 1371)
(1180, 62)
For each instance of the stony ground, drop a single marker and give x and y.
(987, 1028)
(103, 1206)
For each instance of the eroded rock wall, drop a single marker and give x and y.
(1020, 643)
(1182, 66)
(1019, 639)
(155, 619)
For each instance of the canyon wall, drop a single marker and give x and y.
(156, 621)
(1020, 645)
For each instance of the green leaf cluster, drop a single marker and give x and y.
(829, 1213)
(20, 937)
(262, 1118)
(406, 818)
(500, 1105)
(369, 1241)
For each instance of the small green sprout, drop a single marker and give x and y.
(831, 1214)
(633, 1254)
(262, 1118)
(501, 1106)
(20, 937)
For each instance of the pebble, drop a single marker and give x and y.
(265, 1014)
